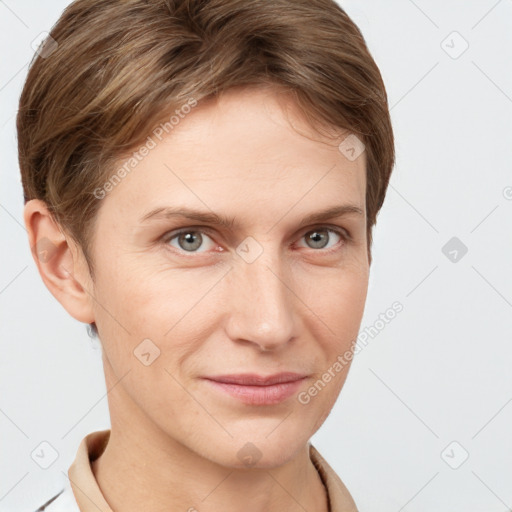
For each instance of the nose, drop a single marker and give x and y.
(262, 304)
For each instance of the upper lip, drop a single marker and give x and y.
(253, 379)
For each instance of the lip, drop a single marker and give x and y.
(255, 389)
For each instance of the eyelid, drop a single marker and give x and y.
(211, 231)
(334, 227)
(178, 231)
(342, 232)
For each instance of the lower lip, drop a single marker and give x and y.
(259, 395)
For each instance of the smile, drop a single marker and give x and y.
(256, 390)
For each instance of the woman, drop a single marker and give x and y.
(257, 134)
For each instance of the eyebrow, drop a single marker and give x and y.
(168, 212)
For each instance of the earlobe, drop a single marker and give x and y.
(59, 261)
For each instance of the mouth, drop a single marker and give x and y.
(253, 389)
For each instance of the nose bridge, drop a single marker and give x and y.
(262, 301)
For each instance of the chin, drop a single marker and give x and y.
(257, 450)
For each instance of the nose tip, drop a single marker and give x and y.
(262, 309)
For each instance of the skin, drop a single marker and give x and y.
(250, 155)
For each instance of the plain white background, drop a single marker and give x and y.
(425, 418)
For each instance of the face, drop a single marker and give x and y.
(181, 299)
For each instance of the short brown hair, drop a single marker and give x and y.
(113, 69)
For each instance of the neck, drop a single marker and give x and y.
(140, 472)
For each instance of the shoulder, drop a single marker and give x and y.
(340, 499)
(58, 494)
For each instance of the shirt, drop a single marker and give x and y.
(82, 493)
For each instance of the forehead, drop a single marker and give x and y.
(248, 148)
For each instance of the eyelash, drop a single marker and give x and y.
(343, 234)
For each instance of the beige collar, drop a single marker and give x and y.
(90, 499)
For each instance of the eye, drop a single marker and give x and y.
(319, 238)
(188, 240)
(191, 239)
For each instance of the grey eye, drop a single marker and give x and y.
(320, 238)
(188, 240)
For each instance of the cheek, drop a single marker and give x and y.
(337, 301)
(177, 307)
(134, 291)
(340, 308)
(171, 307)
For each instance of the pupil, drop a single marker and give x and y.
(189, 239)
(316, 237)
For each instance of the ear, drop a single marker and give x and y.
(60, 262)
